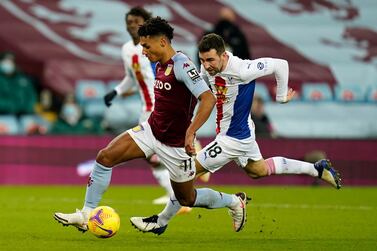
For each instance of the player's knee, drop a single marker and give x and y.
(104, 157)
(186, 201)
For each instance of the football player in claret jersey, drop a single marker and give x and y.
(140, 74)
(232, 80)
(169, 132)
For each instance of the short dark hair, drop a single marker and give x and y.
(156, 26)
(139, 12)
(212, 41)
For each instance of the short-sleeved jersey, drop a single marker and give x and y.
(139, 73)
(234, 89)
(177, 87)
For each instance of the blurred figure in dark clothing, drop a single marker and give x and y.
(17, 91)
(233, 36)
(263, 126)
(71, 120)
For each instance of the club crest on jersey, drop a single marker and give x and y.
(138, 128)
(168, 69)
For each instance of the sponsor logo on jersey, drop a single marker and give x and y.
(221, 91)
(193, 74)
(168, 69)
(161, 85)
(185, 65)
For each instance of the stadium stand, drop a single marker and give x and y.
(33, 124)
(372, 94)
(9, 125)
(89, 90)
(316, 92)
(350, 93)
(89, 94)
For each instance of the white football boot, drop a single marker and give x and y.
(239, 212)
(79, 219)
(148, 224)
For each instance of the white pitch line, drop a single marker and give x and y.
(309, 206)
(253, 205)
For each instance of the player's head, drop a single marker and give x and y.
(134, 18)
(155, 37)
(212, 53)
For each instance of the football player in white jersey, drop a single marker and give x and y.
(232, 80)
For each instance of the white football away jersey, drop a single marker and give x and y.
(234, 90)
(139, 73)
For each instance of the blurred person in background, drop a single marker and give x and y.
(71, 120)
(228, 29)
(17, 91)
(48, 105)
(263, 127)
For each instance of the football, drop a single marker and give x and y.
(104, 222)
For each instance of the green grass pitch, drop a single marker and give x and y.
(279, 218)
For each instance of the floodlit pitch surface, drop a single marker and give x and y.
(279, 218)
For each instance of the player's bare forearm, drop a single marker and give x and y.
(207, 102)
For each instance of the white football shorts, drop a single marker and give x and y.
(144, 116)
(181, 166)
(225, 149)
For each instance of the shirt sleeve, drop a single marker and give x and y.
(127, 81)
(253, 69)
(186, 72)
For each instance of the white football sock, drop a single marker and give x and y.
(281, 165)
(205, 197)
(163, 178)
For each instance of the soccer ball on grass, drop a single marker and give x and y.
(103, 222)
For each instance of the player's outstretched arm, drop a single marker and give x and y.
(207, 102)
(253, 69)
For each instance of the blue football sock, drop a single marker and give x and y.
(98, 182)
(209, 198)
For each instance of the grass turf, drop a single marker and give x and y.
(279, 218)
